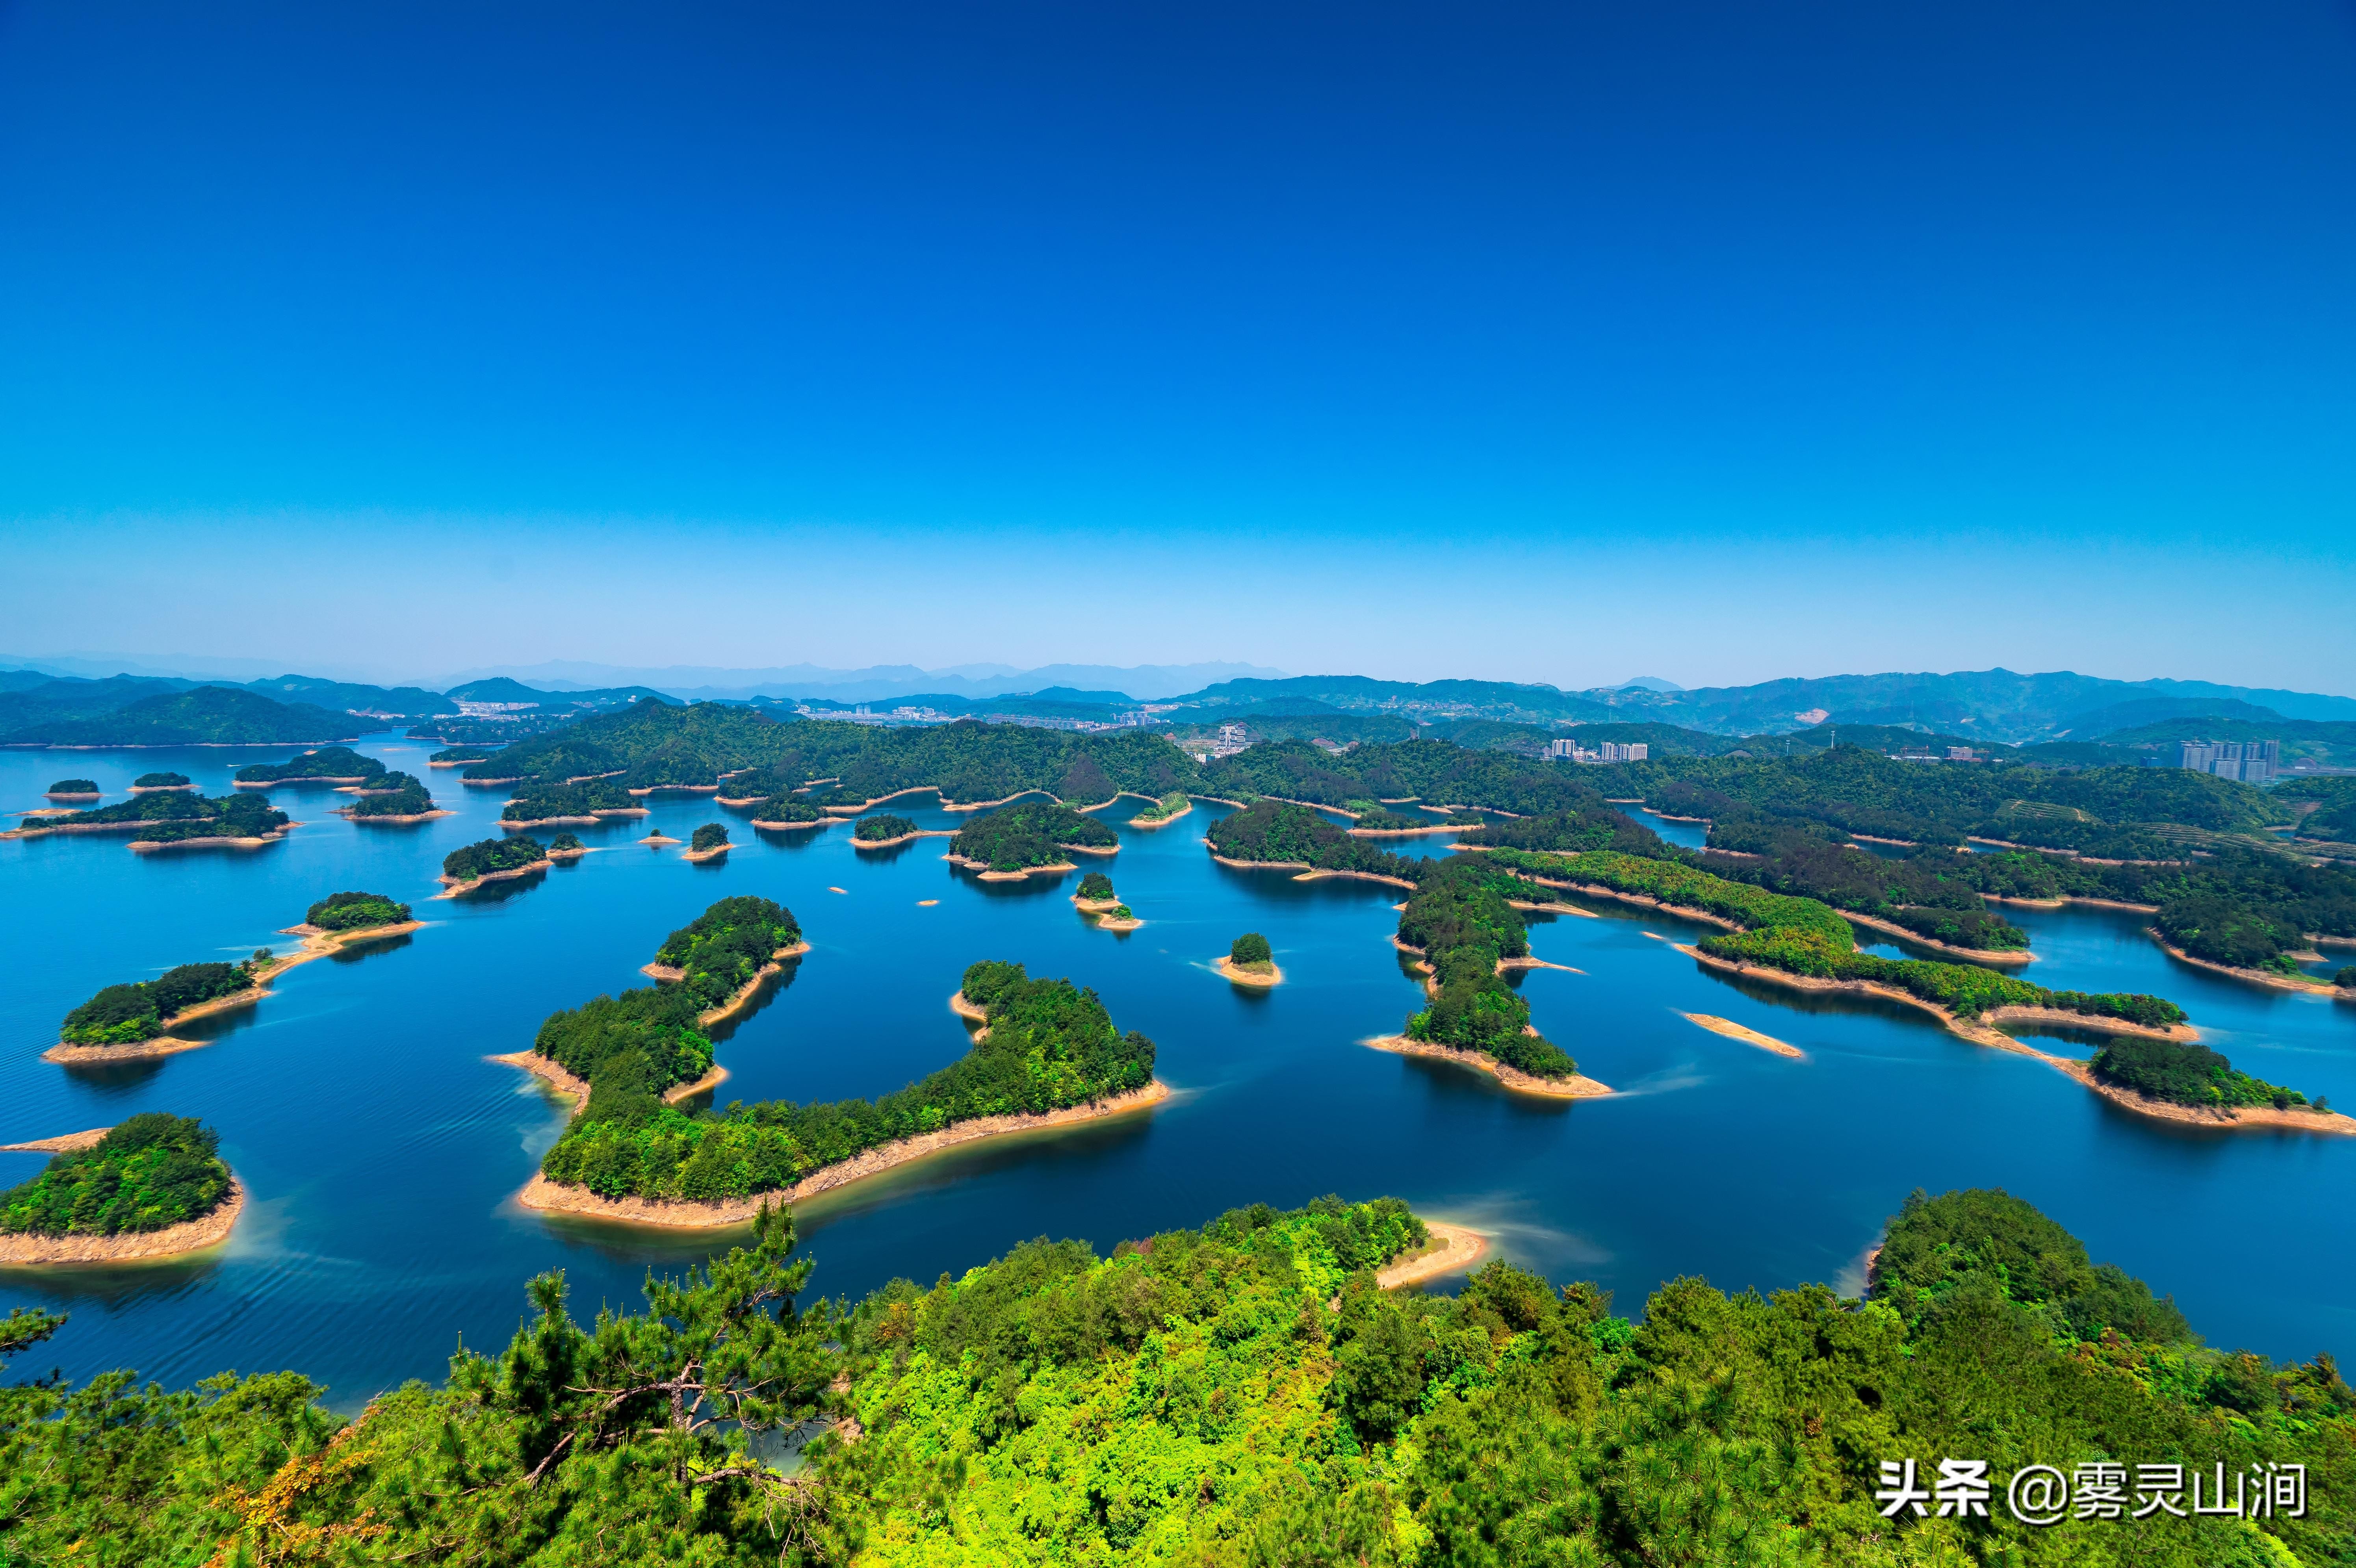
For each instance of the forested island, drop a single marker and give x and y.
(1466, 926)
(74, 789)
(1095, 892)
(1048, 1047)
(876, 832)
(707, 842)
(171, 816)
(321, 764)
(1029, 837)
(537, 804)
(487, 860)
(782, 813)
(1249, 961)
(393, 798)
(1274, 833)
(355, 911)
(156, 780)
(139, 1010)
(146, 1189)
(1242, 1391)
(1169, 808)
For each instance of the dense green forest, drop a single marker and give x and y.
(1161, 810)
(169, 815)
(1239, 1394)
(539, 802)
(403, 797)
(1594, 826)
(486, 855)
(160, 781)
(1095, 887)
(74, 787)
(778, 808)
(149, 1171)
(1461, 917)
(2230, 905)
(2333, 820)
(1932, 892)
(140, 1009)
(1271, 830)
(875, 829)
(355, 911)
(710, 835)
(2187, 1074)
(1374, 815)
(203, 715)
(1048, 1045)
(322, 762)
(462, 754)
(1031, 834)
(1250, 951)
(564, 843)
(725, 946)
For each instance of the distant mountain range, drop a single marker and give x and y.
(43, 705)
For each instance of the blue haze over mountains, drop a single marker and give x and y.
(1996, 705)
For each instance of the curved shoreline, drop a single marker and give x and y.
(2242, 1117)
(1240, 976)
(1578, 1086)
(968, 1011)
(307, 778)
(788, 826)
(741, 995)
(859, 843)
(1977, 955)
(1453, 1249)
(1110, 923)
(1142, 821)
(548, 1197)
(697, 857)
(2300, 986)
(1408, 832)
(188, 1236)
(149, 846)
(987, 875)
(356, 818)
(454, 887)
(64, 1143)
(316, 943)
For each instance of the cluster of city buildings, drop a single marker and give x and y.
(2251, 761)
(1925, 754)
(1569, 749)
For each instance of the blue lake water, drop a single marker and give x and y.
(382, 1150)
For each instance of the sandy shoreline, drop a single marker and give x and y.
(194, 1236)
(1977, 955)
(454, 888)
(548, 1197)
(1578, 1086)
(2254, 976)
(742, 995)
(1733, 1030)
(395, 821)
(968, 1011)
(787, 827)
(148, 846)
(1984, 1033)
(1113, 922)
(1314, 875)
(311, 778)
(859, 843)
(1160, 821)
(697, 857)
(1241, 976)
(64, 1143)
(987, 875)
(1452, 1248)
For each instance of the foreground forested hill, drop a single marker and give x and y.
(1246, 1394)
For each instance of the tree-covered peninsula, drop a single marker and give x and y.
(490, 857)
(2184, 1074)
(1274, 833)
(1033, 834)
(1462, 918)
(141, 1010)
(1048, 1046)
(356, 911)
(1242, 1393)
(321, 764)
(151, 1171)
(724, 948)
(881, 828)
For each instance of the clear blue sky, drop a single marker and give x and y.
(1563, 342)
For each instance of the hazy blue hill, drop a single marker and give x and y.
(2117, 716)
(409, 701)
(203, 715)
(1438, 699)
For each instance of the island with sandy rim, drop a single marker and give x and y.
(1249, 961)
(2300, 982)
(827, 1148)
(1161, 813)
(491, 860)
(1748, 1036)
(709, 843)
(101, 1199)
(1577, 1086)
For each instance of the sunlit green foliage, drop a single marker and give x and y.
(403, 797)
(1251, 948)
(150, 1171)
(141, 1010)
(878, 828)
(355, 911)
(711, 836)
(1095, 887)
(486, 855)
(1274, 832)
(541, 802)
(160, 780)
(1031, 834)
(1465, 923)
(168, 815)
(725, 946)
(2187, 1074)
(74, 787)
(340, 763)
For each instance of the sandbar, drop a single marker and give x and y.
(64, 1143)
(194, 1236)
(1094, 906)
(1452, 1248)
(1404, 832)
(1259, 865)
(459, 763)
(970, 1013)
(395, 821)
(158, 789)
(1272, 974)
(458, 886)
(987, 875)
(787, 826)
(700, 855)
(1143, 821)
(73, 795)
(574, 854)
(547, 1196)
(1316, 876)
(659, 836)
(1983, 1032)
(148, 846)
(1113, 922)
(1733, 1030)
(1578, 1086)
(516, 826)
(668, 788)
